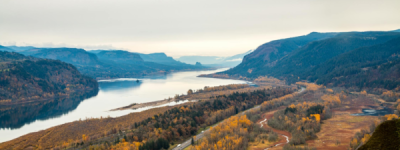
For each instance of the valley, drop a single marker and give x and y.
(277, 98)
(115, 93)
(199, 75)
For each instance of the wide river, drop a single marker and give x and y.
(117, 93)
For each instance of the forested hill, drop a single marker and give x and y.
(161, 58)
(73, 56)
(119, 56)
(27, 79)
(311, 61)
(376, 66)
(269, 53)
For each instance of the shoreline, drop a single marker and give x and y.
(147, 104)
(155, 74)
(71, 94)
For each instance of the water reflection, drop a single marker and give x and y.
(374, 112)
(113, 93)
(116, 85)
(16, 116)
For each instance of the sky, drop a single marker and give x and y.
(184, 27)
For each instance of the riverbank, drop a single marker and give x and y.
(160, 103)
(71, 93)
(200, 94)
(113, 94)
(159, 74)
(111, 128)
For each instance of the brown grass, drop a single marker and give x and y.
(337, 132)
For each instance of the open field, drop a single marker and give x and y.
(337, 132)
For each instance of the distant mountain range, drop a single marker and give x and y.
(78, 57)
(215, 61)
(20, 48)
(29, 79)
(3, 48)
(108, 63)
(160, 58)
(351, 59)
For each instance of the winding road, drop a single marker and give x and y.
(188, 142)
(287, 138)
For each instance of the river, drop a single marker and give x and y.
(112, 94)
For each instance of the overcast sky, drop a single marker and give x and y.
(184, 27)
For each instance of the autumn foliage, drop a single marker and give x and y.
(228, 135)
(310, 86)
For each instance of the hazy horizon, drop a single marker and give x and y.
(184, 28)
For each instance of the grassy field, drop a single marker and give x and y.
(337, 132)
(262, 146)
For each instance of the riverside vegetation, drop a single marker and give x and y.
(172, 124)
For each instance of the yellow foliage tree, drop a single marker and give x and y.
(365, 138)
(364, 92)
(226, 135)
(84, 137)
(353, 142)
(310, 86)
(391, 116)
(329, 90)
(317, 117)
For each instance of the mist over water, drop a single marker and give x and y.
(116, 93)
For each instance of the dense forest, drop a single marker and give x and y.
(355, 60)
(26, 79)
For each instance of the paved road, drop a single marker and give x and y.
(188, 142)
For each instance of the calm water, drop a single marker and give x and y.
(374, 112)
(112, 94)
